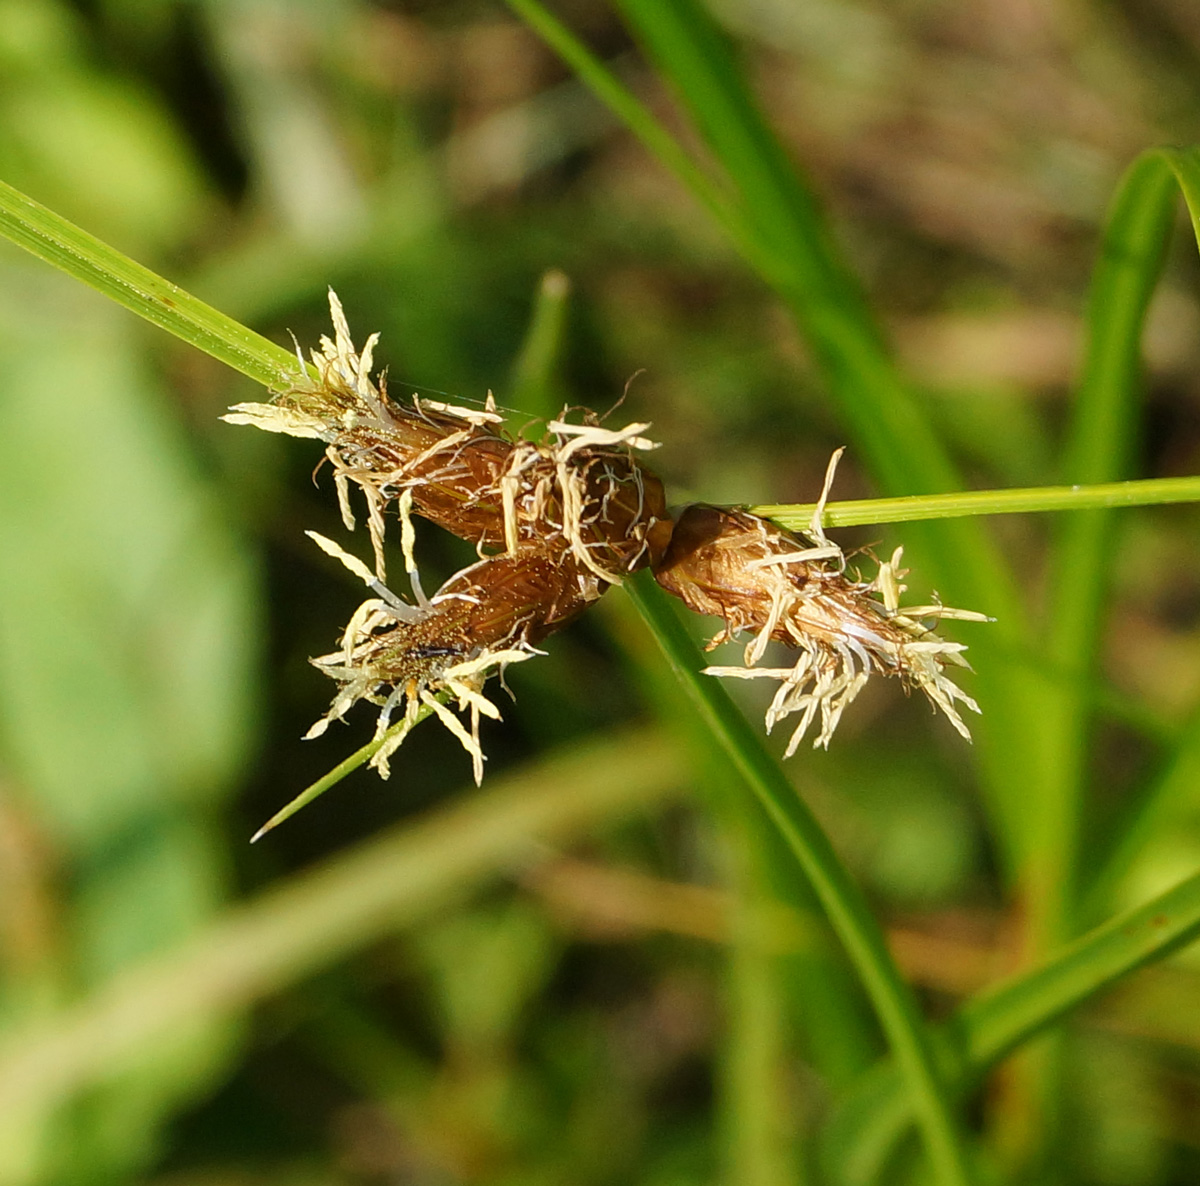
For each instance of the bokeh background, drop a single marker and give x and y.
(415, 982)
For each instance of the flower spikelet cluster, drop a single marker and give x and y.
(554, 522)
(792, 590)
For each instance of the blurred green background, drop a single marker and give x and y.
(580, 974)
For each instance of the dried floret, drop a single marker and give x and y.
(795, 590)
(398, 655)
(584, 488)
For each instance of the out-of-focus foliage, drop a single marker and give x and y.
(660, 1006)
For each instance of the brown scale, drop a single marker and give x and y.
(499, 603)
(707, 567)
(456, 470)
(459, 485)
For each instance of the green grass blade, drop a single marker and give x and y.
(341, 770)
(1098, 449)
(1179, 766)
(840, 897)
(1184, 163)
(1026, 500)
(532, 384)
(990, 1026)
(696, 59)
(638, 118)
(66, 246)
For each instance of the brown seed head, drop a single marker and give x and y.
(762, 579)
(585, 490)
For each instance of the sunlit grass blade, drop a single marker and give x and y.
(694, 56)
(1184, 163)
(61, 243)
(532, 384)
(639, 119)
(992, 1025)
(840, 897)
(1098, 449)
(1166, 167)
(341, 770)
(1026, 500)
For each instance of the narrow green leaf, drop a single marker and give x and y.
(1001, 1019)
(841, 899)
(1099, 447)
(638, 118)
(993, 1024)
(1185, 164)
(340, 771)
(1177, 770)
(1147, 492)
(1100, 444)
(532, 386)
(66, 246)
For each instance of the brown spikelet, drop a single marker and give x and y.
(465, 474)
(484, 618)
(778, 587)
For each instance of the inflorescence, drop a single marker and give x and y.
(554, 524)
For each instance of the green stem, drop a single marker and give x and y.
(840, 897)
(1149, 492)
(995, 1023)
